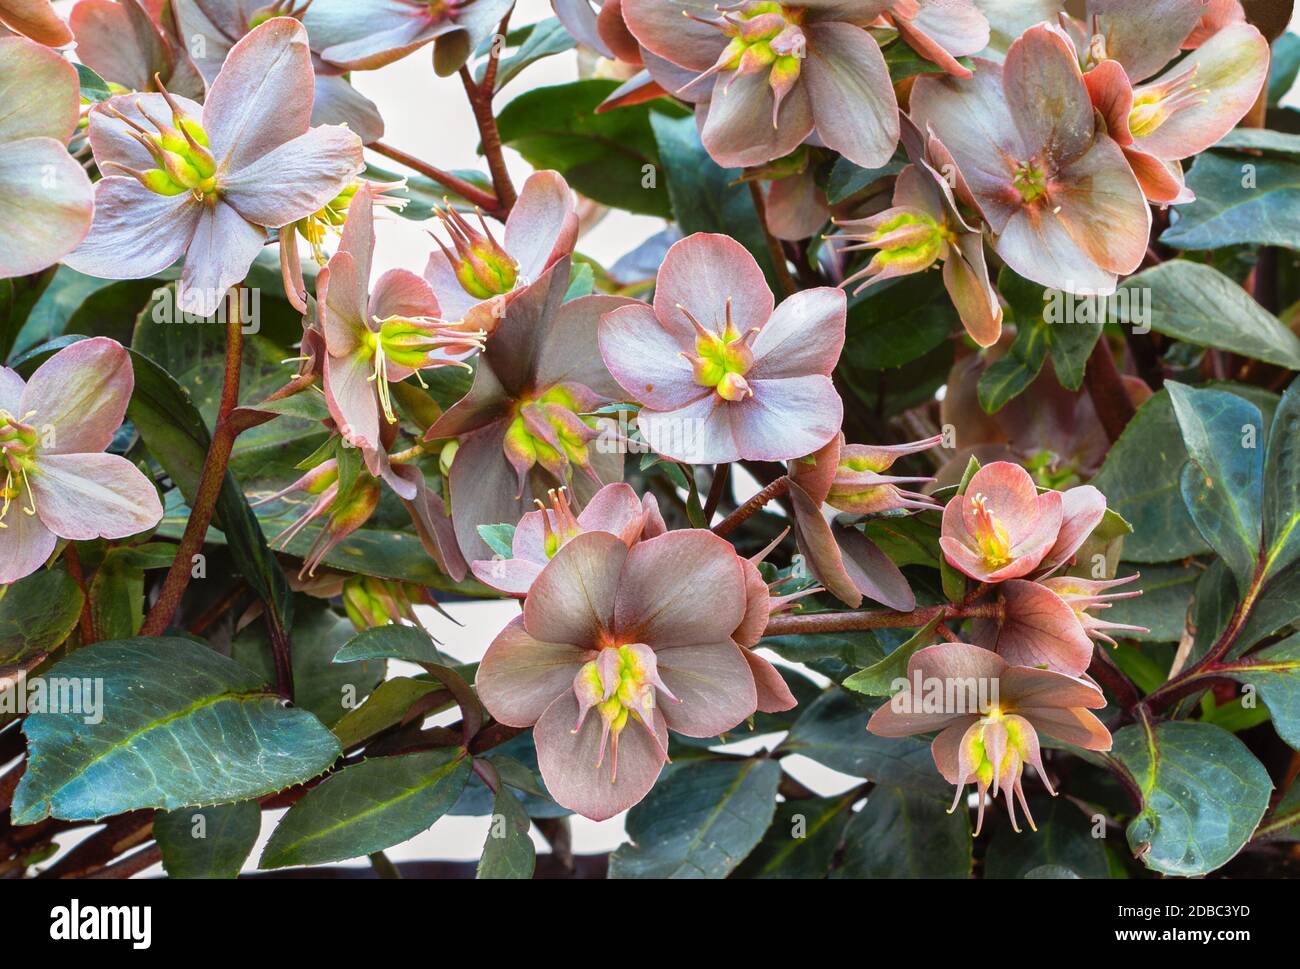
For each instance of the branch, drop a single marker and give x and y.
(480, 102)
(776, 489)
(466, 190)
(856, 620)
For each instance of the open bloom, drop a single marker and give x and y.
(616, 646)
(541, 534)
(207, 182)
(220, 24)
(46, 200)
(361, 35)
(475, 276)
(721, 376)
(990, 743)
(1001, 528)
(35, 19)
(1033, 626)
(527, 424)
(55, 479)
(1057, 193)
(765, 75)
(130, 45)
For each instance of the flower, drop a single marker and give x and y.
(1058, 195)
(371, 601)
(860, 486)
(541, 534)
(765, 76)
(525, 426)
(1083, 595)
(361, 35)
(1033, 626)
(774, 694)
(129, 45)
(219, 25)
(55, 479)
(941, 30)
(721, 376)
(46, 200)
(476, 277)
(1001, 528)
(344, 511)
(208, 185)
(35, 19)
(990, 744)
(616, 646)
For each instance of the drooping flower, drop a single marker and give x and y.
(765, 75)
(55, 479)
(542, 533)
(861, 487)
(46, 200)
(617, 646)
(370, 601)
(1085, 595)
(341, 512)
(475, 277)
(35, 19)
(774, 694)
(1058, 195)
(207, 182)
(217, 25)
(1001, 527)
(130, 45)
(1033, 626)
(941, 30)
(990, 743)
(527, 425)
(361, 35)
(723, 377)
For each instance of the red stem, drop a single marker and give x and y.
(480, 102)
(466, 190)
(776, 489)
(1107, 390)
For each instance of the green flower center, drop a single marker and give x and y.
(722, 359)
(1030, 181)
(990, 534)
(482, 266)
(18, 444)
(415, 342)
(765, 36)
(549, 430)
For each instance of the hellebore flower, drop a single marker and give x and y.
(130, 45)
(1083, 595)
(1034, 626)
(721, 376)
(941, 30)
(767, 75)
(476, 276)
(541, 534)
(361, 35)
(35, 19)
(1001, 528)
(617, 646)
(860, 486)
(525, 427)
(46, 200)
(370, 601)
(343, 513)
(1057, 194)
(774, 694)
(991, 745)
(220, 24)
(55, 480)
(377, 336)
(209, 184)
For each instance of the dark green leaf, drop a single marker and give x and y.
(508, 851)
(1275, 673)
(545, 39)
(1282, 486)
(1064, 839)
(391, 642)
(802, 840)
(1162, 606)
(905, 834)
(211, 842)
(37, 614)
(893, 324)
(1238, 200)
(879, 679)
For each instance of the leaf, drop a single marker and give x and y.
(1276, 609)
(181, 726)
(407, 643)
(1238, 200)
(1162, 606)
(905, 834)
(1283, 822)
(385, 707)
(1064, 839)
(508, 851)
(1275, 673)
(37, 613)
(701, 821)
(802, 840)
(1198, 304)
(544, 40)
(1203, 793)
(499, 539)
(93, 87)
(1221, 485)
(212, 842)
(368, 807)
(847, 179)
(117, 590)
(879, 679)
(894, 323)
(1282, 486)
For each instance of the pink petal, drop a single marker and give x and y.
(86, 496)
(399, 292)
(519, 677)
(804, 336)
(852, 95)
(1082, 510)
(872, 571)
(1028, 687)
(338, 102)
(1112, 95)
(966, 277)
(514, 577)
(119, 42)
(294, 179)
(1144, 37)
(614, 509)
(36, 19)
(822, 553)
(646, 359)
(700, 273)
(1162, 181)
(80, 396)
(714, 685)
(1073, 726)
(661, 27)
(774, 694)
(543, 224)
(342, 303)
(46, 205)
(1046, 95)
(350, 395)
(568, 350)
(1102, 207)
(758, 607)
(1040, 629)
(786, 418)
(738, 131)
(1042, 250)
(219, 256)
(25, 543)
(136, 233)
(1010, 492)
(956, 661)
(573, 600)
(483, 488)
(698, 433)
(40, 92)
(946, 751)
(11, 391)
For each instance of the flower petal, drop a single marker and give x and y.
(646, 359)
(697, 433)
(713, 684)
(1046, 689)
(136, 233)
(350, 394)
(738, 130)
(296, 178)
(1040, 629)
(1082, 510)
(1101, 206)
(852, 95)
(543, 225)
(38, 20)
(40, 92)
(1073, 726)
(119, 42)
(872, 571)
(519, 676)
(80, 396)
(46, 205)
(701, 273)
(1146, 36)
(662, 28)
(399, 292)
(774, 694)
(25, 543)
(86, 496)
(786, 418)
(338, 103)
(219, 257)
(573, 600)
(1046, 95)
(568, 348)
(804, 336)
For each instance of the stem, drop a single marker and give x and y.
(211, 482)
(773, 246)
(86, 624)
(776, 489)
(1104, 670)
(466, 190)
(1106, 388)
(721, 475)
(856, 620)
(480, 102)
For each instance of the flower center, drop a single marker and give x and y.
(180, 150)
(620, 684)
(990, 534)
(549, 430)
(566, 525)
(482, 266)
(416, 343)
(722, 359)
(1155, 105)
(1030, 181)
(280, 8)
(765, 36)
(18, 443)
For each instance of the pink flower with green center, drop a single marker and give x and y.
(766, 75)
(46, 200)
(722, 376)
(527, 424)
(541, 534)
(1058, 195)
(475, 276)
(1001, 528)
(361, 35)
(941, 30)
(220, 24)
(990, 745)
(129, 44)
(1086, 595)
(55, 479)
(617, 646)
(208, 182)
(35, 19)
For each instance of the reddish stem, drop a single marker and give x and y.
(466, 190)
(480, 102)
(777, 489)
(86, 624)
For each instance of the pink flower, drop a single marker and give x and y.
(37, 20)
(1001, 528)
(990, 743)
(220, 24)
(774, 694)
(721, 376)
(1061, 201)
(129, 44)
(46, 200)
(476, 277)
(209, 184)
(541, 534)
(343, 513)
(941, 30)
(861, 487)
(616, 646)
(766, 76)
(1034, 627)
(1085, 595)
(55, 480)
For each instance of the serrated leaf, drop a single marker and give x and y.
(211, 842)
(393, 641)
(906, 834)
(508, 851)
